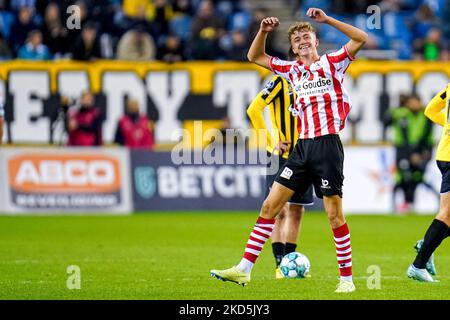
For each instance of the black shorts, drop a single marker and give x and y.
(319, 161)
(306, 198)
(444, 166)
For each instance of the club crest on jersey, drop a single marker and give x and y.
(305, 76)
(270, 84)
(287, 173)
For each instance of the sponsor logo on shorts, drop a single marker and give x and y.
(325, 184)
(287, 173)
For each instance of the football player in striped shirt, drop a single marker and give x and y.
(318, 156)
(423, 266)
(282, 134)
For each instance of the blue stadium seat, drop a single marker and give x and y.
(397, 34)
(394, 26)
(181, 27)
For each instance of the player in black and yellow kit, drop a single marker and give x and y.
(439, 228)
(282, 133)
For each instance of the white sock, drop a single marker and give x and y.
(347, 278)
(245, 265)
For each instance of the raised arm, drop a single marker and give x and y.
(257, 52)
(357, 36)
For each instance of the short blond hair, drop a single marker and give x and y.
(300, 26)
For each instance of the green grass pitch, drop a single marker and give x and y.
(169, 255)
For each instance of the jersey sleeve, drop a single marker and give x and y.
(263, 99)
(340, 60)
(281, 67)
(255, 112)
(434, 108)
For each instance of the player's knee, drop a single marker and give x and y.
(444, 214)
(268, 210)
(282, 214)
(335, 217)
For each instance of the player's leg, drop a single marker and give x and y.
(289, 178)
(328, 168)
(436, 233)
(292, 226)
(294, 217)
(277, 233)
(341, 235)
(261, 232)
(278, 242)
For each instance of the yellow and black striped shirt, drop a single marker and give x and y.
(434, 111)
(280, 98)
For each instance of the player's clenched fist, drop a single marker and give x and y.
(269, 24)
(317, 15)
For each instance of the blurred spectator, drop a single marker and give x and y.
(136, 44)
(34, 49)
(157, 13)
(85, 123)
(21, 28)
(430, 49)
(5, 52)
(54, 33)
(81, 15)
(207, 29)
(413, 141)
(134, 130)
(207, 47)
(105, 12)
(172, 50)
(87, 46)
(207, 19)
(134, 8)
(160, 13)
(239, 47)
(424, 20)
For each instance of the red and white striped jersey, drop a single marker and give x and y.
(322, 101)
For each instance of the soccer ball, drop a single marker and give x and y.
(295, 265)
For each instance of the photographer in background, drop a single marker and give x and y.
(413, 141)
(134, 130)
(85, 123)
